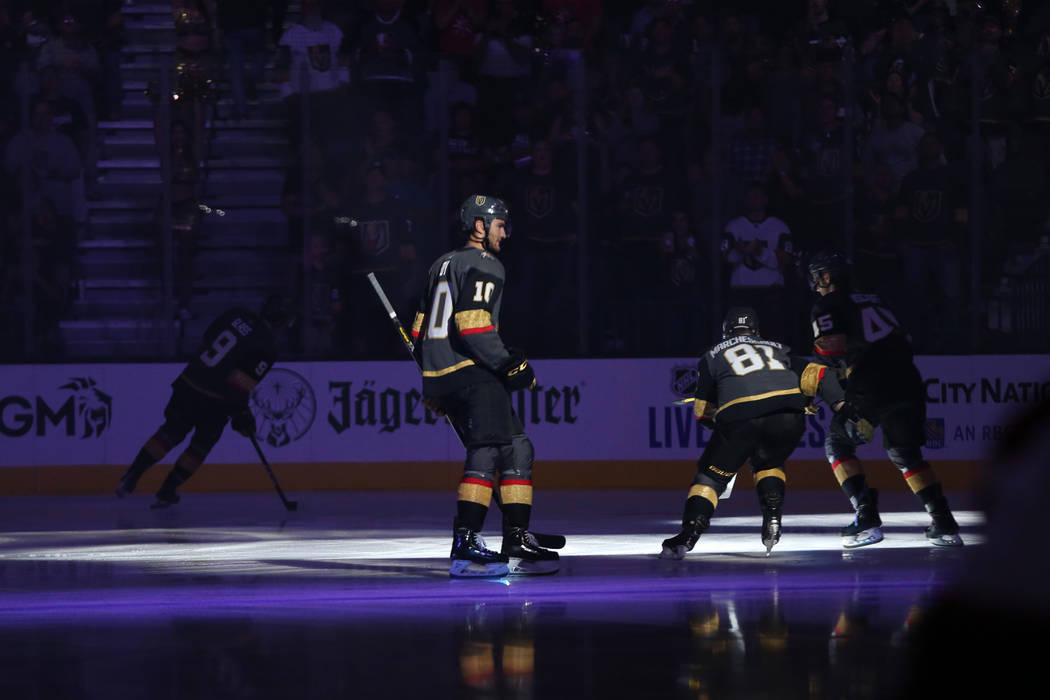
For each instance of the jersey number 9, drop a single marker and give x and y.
(219, 349)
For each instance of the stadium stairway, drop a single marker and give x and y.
(118, 313)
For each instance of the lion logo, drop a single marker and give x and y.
(94, 407)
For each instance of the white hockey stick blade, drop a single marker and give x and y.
(729, 488)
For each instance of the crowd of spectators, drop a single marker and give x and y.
(678, 154)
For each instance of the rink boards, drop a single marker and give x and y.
(347, 424)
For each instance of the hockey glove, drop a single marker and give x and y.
(244, 422)
(859, 430)
(433, 405)
(517, 372)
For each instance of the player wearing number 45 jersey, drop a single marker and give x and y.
(468, 374)
(857, 334)
(753, 393)
(234, 355)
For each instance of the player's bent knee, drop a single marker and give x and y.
(905, 458)
(482, 461)
(521, 457)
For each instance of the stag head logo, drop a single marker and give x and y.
(94, 407)
(284, 406)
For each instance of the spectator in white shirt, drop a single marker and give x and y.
(757, 248)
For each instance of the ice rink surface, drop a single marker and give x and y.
(230, 596)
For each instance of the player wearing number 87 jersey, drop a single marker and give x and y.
(858, 335)
(753, 393)
(236, 352)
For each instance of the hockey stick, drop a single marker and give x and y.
(289, 505)
(544, 540)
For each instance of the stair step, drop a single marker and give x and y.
(123, 243)
(122, 283)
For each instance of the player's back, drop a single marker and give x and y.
(237, 340)
(753, 377)
(877, 353)
(462, 277)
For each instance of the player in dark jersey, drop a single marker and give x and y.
(753, 393)
(234, 355)
(857, 334)
(468, 374)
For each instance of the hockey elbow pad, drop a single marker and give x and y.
(517, 373)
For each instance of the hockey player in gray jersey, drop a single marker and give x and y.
(753, 394)
(468, 374)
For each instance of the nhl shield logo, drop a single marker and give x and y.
(935, 433)
(683, 380)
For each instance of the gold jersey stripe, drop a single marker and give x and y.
(474, 318)
(703, 491)
(417, 322)
(516, 493)
(475, 493)
(756, 397)
(775, 473)
(811, 377)
(448, 370)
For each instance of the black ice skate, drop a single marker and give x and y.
(127, 484)
(677, 546)
(943, 531)
(471, 558)
(524, 556)
(165, 500)
(866, 528)
(771, 511)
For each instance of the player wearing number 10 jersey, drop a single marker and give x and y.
(468, 374)
(857, 334)
(753, 393)
(236, 352)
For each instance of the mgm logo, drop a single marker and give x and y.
(284, 406)
(86, 412)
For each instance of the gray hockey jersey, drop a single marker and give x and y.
(456, 328)
(747, 376)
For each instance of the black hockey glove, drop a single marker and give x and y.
(517, 373)
(859, 430)
(244, 422)
(434, 405)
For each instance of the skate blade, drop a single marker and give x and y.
(947, 541)
(528, 567)
(769, 546)
(862, 539)
(161, 505)
(678, 552)
(464, 568)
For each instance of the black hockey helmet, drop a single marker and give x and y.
(479, 206)
(740, 320)
(277, 310)
(833, 262)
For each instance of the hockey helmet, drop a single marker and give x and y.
(740, 320)
(834, 263)
(277, 310)
(479, 206)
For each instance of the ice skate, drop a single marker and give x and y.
(471, 558)
(943, 531)
(525, 557)
(770, 527)
(676, 547)
(866, 527)
(165, 500)
(127, 484)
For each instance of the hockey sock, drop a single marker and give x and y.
(176, 478)
(151, 453)
(856, 488)
(472, 502)
(517, 502)
(845, 469)
(923, 483)
(770, 483)
(702, 500)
